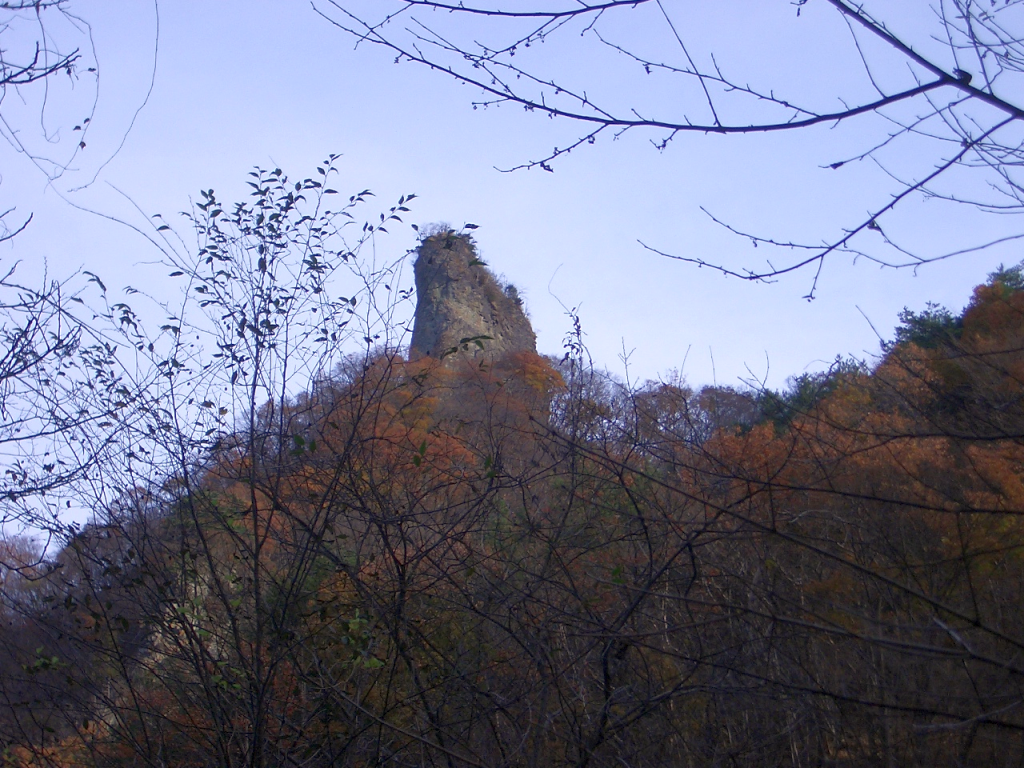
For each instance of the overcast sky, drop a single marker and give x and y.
(239, 83)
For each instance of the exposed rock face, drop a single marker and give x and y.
(457, 298)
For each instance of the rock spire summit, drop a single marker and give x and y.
(461, 307)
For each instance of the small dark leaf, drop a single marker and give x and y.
(94, 279)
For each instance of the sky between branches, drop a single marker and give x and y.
(270, 83)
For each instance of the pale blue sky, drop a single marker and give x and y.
(265, 82)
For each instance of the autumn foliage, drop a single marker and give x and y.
(518, 562)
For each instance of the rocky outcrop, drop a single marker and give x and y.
(461, 307)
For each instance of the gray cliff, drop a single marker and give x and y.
(458, 299)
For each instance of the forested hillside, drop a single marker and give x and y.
(519, 561)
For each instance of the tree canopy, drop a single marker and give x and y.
(308, 549)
